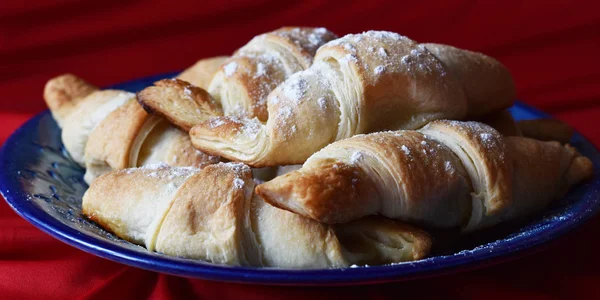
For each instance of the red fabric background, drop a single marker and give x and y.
(550, 47)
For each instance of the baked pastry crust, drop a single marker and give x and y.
(130, 137)
(295, 95)
(241, 84)
(245, 80)
(449, 174)
(63, 93)
(180, 102)
(358, 84)
(84, 118)
(212, 214)
(487, 84)
(105, 130)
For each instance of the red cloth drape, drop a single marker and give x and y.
(550, 48)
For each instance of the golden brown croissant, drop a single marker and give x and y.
(212, 214)
(241, 85)
(358, 84)
(105, 130)
(449, 174)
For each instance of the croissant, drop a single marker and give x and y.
(449, 174)
(358, 84)
(241, 85)
(213, 215)
(107, 129)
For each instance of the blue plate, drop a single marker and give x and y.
(42, 184)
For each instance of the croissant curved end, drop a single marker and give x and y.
(80, 123)
(243, 140)
(280, 192)
(378, 240)
(61, 93)
(581, 168)
(330, 193)
(180, 102)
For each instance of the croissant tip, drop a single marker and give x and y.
(581, 169)
(62, 92)
(289, 192)
(327, 193)
(180, 102)
(59, 88)
(141, 98)
(276, 192)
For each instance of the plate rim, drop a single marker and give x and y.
(508, 250)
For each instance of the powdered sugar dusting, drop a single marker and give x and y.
(349, 47)
(238, 183)
(309, 39)
(269, 71)
(486, 137)
(349, 58)
(385, 35)
(356, 157)
(285, 112)
(215, 122)
(405, 149)
(430, 146)
(448, 167)
(379, 47)
(322, 103)
(157, 166)
(230, 68)
(421, 60)
(236, 167)
(251, 127)
(296, 91)
(187, 92)
(261, 70)
(320, 30)
(283, 115)
(295, 88)
(162, 170)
